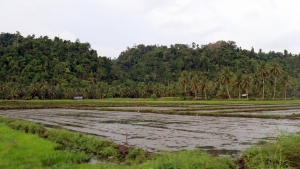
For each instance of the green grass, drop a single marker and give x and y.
(22, 151)
(66, 149)
(32, 104)
(188, 160)
(284, 153)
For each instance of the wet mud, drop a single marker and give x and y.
(159, 132)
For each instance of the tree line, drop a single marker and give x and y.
(43, 68)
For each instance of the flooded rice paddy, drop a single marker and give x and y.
(156, 132)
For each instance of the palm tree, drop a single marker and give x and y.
(275, 72)
(226, 78)
(238, 82)
(195, 85)
(286, 83)
(204, 85)
(246, 84)
(184, 79)
(263, 74)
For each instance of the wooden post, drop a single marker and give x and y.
(126, 140)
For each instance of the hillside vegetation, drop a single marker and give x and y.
(43, 68)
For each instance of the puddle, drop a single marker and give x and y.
(148, 108)
(275, 112)
(159, 132)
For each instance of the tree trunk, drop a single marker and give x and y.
(228, 92)
(285, 93)
(195, 94)
(247, 94)
(239, 92)
(274, 88)
(263, 94)
(205, 94)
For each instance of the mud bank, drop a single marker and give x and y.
(158, 132)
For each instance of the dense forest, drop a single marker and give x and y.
(43, 68)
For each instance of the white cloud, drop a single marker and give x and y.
(111, 26)
(107, 51)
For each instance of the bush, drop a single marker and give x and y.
(63, 157)
(136, 155)
(110, 152)
(72, 140)
(182, 96)
(153, 96)
(284, 153)
(110, 95)
(28, 127)
(189, 159)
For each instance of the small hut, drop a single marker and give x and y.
(244, 96)
(78, 97)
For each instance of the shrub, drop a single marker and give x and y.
(153, 96)
(136, 155)
(284, 153)
(110, 152)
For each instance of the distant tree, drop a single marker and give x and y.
(246, 84)
(226, 79)
(195, 84)
(238, 82)
(184, 79)
(275, 72)
(263, 74)
(204, 85)
(286, 83)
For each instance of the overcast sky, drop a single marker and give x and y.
(112, 25)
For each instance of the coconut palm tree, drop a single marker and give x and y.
(195, 85)
(275, 72)
(184, 79)
(226, 79)
(263, 74)
(246, 84)
(286, 83)
(238, 82)
(204, 85)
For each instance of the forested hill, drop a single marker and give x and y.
(42, 68)
(164, 64)
(31, 64)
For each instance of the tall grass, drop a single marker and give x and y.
(188, 160)
(21, 150)
(284, 153)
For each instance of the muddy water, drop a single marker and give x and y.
(277, 112)
(162, 132)
(148, 108)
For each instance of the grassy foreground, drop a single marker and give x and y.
(28, 145)
(32, 146)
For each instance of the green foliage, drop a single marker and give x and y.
(78, 141)
(136, 155)
(284, 153)
(153, 96)
(38, 67)
(189, 160)
(27, 127)
(110, 152)
(20, 150)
